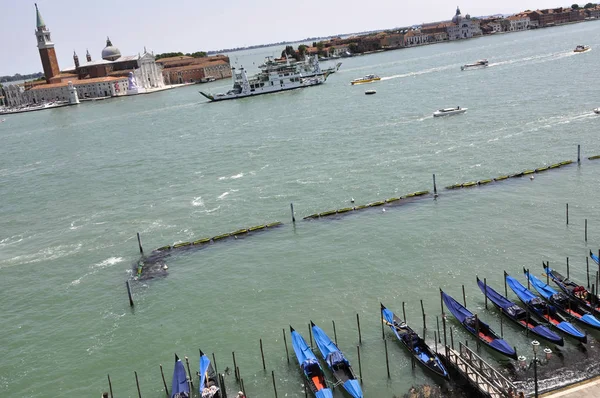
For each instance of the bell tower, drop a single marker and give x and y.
(46, 48)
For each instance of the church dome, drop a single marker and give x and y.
(457, 17)
(110, 52)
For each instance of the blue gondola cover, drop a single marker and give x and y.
(180, 387)
(204, 363)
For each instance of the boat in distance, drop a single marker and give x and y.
(180, 387)
(573, 290)
(370, 92)
(477, 328)
(518, 315)
(581, 49)
(337, 362)
(315, 377)
(563, 303)
(597, 111)
(414, 343)
(544, 311)
(482, 63)
(365, 79)
(449, 111)
(271, 79)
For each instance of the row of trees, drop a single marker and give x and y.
(18, 76)
(197, 54)
(588, 5)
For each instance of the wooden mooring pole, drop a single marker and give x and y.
(387, 362)
(505, 287)
(451, 338)
(137, 383)
(434, 188)
(287, 353)
(274, 386)
(578, 153)
(382, 331)
(162, 374)
(586, 229)
(215, 363)
(567, 214)
(110, 387)
(293, 217)
(567, 267)
(140, 244)
(334, 332)
(129, 294)
(358, 324)
(262, 354)
(587, 271)
(235, 368)
(187, 362)
(310, 336)
(423, 311)
(501, 325)
(437, 323)
(359, 364)
(464, 296)
(485, 291)
(403, 312)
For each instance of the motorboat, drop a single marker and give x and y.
(596, 111)
(370, 92)
(479, 64)
(581, 49)
(366, 79)
(449, 111)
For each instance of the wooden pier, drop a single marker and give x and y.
(481, 375)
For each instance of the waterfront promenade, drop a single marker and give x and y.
(585, 389)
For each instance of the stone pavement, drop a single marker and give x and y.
(585, 389)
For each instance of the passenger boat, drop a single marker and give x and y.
(337, 362)
(272, 78)
(581, 49)
(370, 92)
(563, 303)
(518, 315)
(415, 344)
(209, 380)
(180, 387)
(573, 290)
(479, 64)
(313, 372)
(366, 79)
(477, 328)
(449, 111)
(545, 311)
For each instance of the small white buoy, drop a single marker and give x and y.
(531, 177)
(383, 210)
(351, 200)
(165, 267)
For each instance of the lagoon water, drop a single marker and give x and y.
(77, 183)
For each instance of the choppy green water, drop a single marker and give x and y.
(77, 184)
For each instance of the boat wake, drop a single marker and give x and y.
(421, 72)
(535, 59)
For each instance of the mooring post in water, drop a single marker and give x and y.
(334, 332)
(358, 325)
(423, 311)
(437, 323)
(387, 362)
(586, 229)
(435, 339)
(485, 291)
(137, 383)
(243, 388)
(214, 363)
(110, 387)
(359, 365)
(274, 386)
(235, 367)
(445, 341)
(287, 353)
(441, 304)
(464, 296)
(262, 355)
(403, 312)
(187, 362)
(501, 326)
(310, 338)
(222, 385)
(528, 281)
(587, 271)
(567, 267)
(140, 244)
(567, 214)
(451, 338)
(434, 188)
(293, 217)
(162, 374)
(129, 293)
(505, 287)
(578, 153)
(382, 332)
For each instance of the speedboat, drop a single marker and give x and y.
(366, 79)
(449, 111)
(581, 49)
(478, 64)
(370, 92)
(596, 111)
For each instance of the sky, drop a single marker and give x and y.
(195, 25)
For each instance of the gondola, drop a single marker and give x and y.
(337, 362)
(313, 372)
(180, 387)
(209, 380)
(518, 315)
(576, 292)
(563, 303)
(477, 328)
(415, 344)
(544, 310)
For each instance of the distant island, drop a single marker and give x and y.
(18, 77)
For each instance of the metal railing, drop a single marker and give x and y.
(492, 376)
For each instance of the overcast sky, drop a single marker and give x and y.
(193, 25)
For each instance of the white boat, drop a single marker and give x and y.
(597, 111)
(479, 64)
(449, 111)
(273, 78)
(581, 49)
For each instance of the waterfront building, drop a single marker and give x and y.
(518, 22)
(392, 40)
(186, 69)
(463, 27)
(414, 37)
